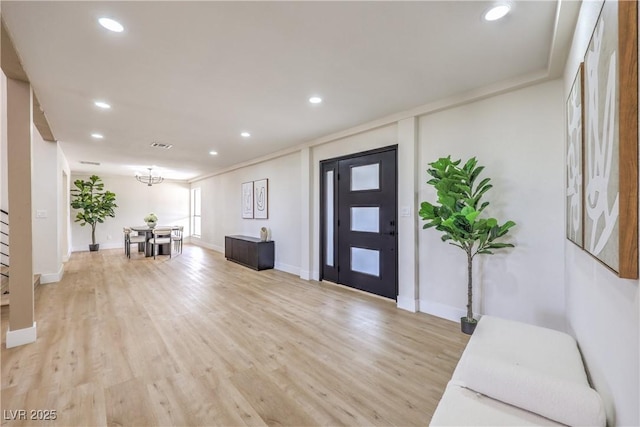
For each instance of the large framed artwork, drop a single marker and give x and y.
(247, 200)
(261, 198)
(575, 142)
(611, 139)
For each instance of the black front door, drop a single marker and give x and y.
(359, 206)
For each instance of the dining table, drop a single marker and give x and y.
(147, 247)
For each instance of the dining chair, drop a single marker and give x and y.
(132, 240)
(161, 236)
(176, 237)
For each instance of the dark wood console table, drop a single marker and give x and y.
(249, 251)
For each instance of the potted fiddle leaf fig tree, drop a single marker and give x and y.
(94, 204)
(457, 215)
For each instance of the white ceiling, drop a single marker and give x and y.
(196, 74)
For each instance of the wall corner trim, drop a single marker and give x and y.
(409, 304)
(21, 336)
(52, 277)
(305, 274)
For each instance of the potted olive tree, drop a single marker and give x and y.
(94, 204)
(457, 215)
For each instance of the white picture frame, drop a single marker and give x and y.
(247, 200)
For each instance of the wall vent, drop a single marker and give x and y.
(161, 145)
(85, 162)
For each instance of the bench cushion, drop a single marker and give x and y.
(463, 407)
(537, 369)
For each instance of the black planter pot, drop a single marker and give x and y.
(94, 248)
(467, 326)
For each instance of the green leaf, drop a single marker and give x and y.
(474, 174)
(499, 245)
(471, 216)
(455, 213)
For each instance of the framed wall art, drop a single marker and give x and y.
(611, 139)
(247, 200)
(575, 183)
(261, 198)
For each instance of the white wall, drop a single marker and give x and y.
(45, 172)
(221, 204)
(169, 201)
(519, 138)
(602, 310)
(4, 190)
(64, 210)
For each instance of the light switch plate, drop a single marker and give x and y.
(405, 211)
(41, 213)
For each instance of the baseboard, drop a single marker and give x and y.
(287, 268)
(109, 245)
(198, 242)
(21, 336)
(310, 275)
(406, 303)
(52, 277)
(442, 310)
(305, 274)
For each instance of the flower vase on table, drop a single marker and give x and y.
(151, 220)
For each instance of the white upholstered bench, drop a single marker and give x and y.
(512, 373)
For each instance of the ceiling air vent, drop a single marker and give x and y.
(161, 145)
(84, 162)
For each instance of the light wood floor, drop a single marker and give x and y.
(198, 340)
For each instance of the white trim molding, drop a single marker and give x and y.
(287, 268)
(201, 243)
(442, 310)
(408, 304)
(21, 336)
(52, 277)
(305, 274)
(108, 245)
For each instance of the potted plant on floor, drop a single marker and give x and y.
(94, 204)
(457, 215)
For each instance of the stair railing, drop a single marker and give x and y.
(4, 241)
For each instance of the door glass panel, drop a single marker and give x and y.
(365, 261)
(365, 177)
(365, 219)
(328, 185)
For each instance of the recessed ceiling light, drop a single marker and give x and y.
(213, 153)
(245, 134)
(102, 104)
(97, 136)
(315, 100)
(497, 12)
(111, 25)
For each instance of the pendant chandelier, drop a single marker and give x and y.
(150, 179)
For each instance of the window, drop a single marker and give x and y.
(196, 220)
